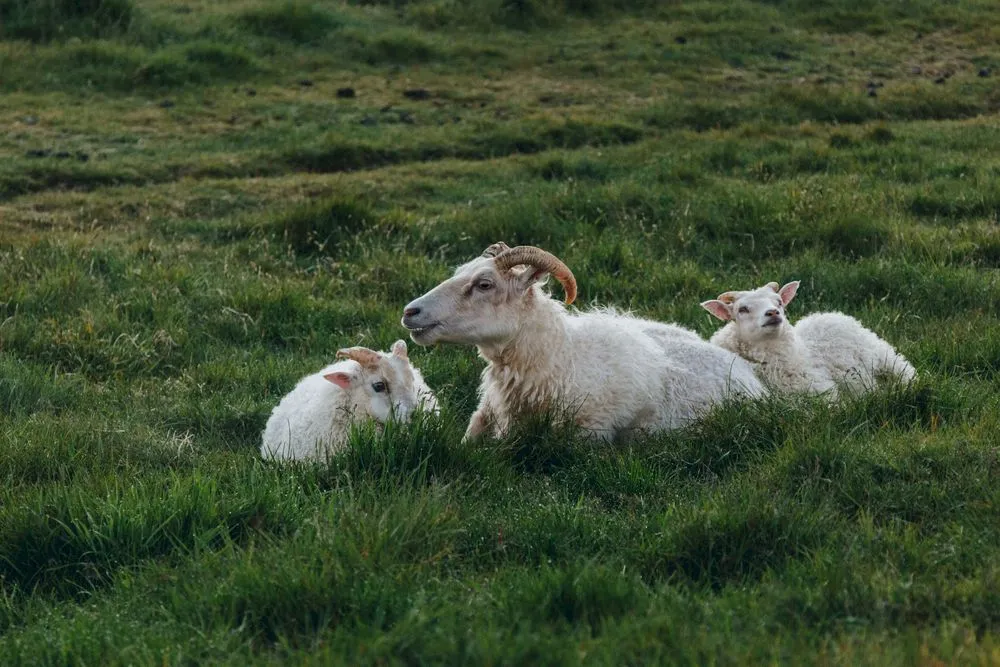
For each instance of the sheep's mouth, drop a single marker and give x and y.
(773, 322)
(418, 333)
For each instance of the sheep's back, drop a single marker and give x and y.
(849, 351)
(313, 413)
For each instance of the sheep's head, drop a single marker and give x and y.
(380, 382)
(758, 313)
(482, 302)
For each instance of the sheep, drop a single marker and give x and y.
(314, 419)
(758, 331)
(822, 352)
(615, 373)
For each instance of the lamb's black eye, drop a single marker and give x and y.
(379, 387)
(744, 309)
(484, 285)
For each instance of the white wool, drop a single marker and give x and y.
(314, 420)
(814, 356)
(853, 355)
(616, 374)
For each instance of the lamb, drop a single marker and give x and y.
(615, 373)
(314, 420)
(822, 352)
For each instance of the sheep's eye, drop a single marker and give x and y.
(744, 309)
(484, 285)
(379, 387)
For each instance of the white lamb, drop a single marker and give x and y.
(615, 373)
(820, 353)
(314, 420)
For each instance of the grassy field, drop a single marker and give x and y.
(201, 201)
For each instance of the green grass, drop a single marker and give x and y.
(191, 219)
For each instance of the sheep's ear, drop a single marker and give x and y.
(399, 349)
(787, 293)
(717, 308)
(530, 276)
(339, 378)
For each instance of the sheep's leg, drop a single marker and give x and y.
(482, 420)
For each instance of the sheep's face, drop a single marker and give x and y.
(380, 383)
(757, 314)
(478, 305)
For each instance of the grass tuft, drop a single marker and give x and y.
(294, 21)
(48, 20)
(321, 226)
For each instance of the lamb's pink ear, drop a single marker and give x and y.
(717, 308)
(339, 378)
(787, 293)
(399, 349)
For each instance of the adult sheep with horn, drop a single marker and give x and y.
(616, 374)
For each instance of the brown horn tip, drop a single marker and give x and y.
(496, 249)
(541, 259)
(362, 355)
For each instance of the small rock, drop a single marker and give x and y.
(33, 120)
(166, 104)
(252, 92)
(345, 93)
(305, 83)
(369, 121)
(38, 152)
(416, 94)
(62, 155)
(940, 79)
(681, 39)
(985, 72)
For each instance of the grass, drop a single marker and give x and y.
(192, 217)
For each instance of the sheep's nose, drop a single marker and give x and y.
(411, 312)
(772, 313)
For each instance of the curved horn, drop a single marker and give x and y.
(728, 297)
(532, 256)
(496, 249)
(774, 286)
(362, 355)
